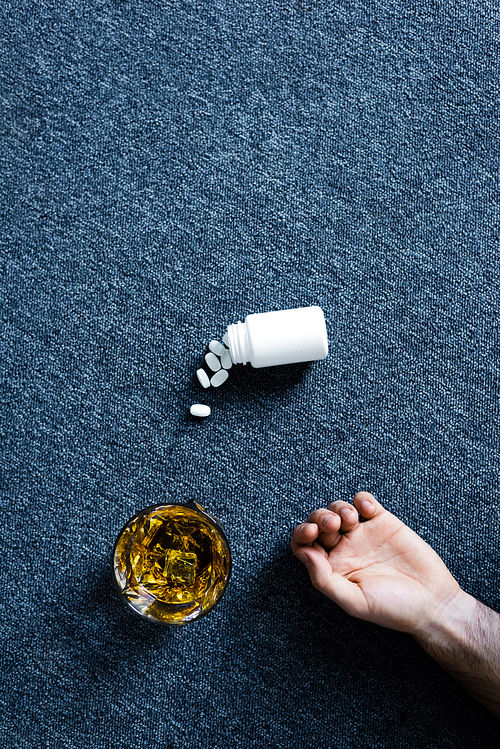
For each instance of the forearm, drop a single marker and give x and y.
(465, 641)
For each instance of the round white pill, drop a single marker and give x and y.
(198, 409)
(219, 378)
(225, 360)
(212, 362)
(216, 347)
(203, 378)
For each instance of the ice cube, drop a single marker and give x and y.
(180, 566)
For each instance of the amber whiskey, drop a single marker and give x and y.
(172, 563)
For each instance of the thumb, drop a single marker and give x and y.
(344, 593)
(317, 565)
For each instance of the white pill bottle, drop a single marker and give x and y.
(285, 337)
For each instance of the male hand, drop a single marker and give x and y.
(378, 570)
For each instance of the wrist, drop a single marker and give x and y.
(450, 620)
(463, 638)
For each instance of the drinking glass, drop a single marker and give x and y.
(172, 563)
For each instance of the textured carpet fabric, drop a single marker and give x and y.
(166, 168)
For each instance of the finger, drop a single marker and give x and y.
(329, 526)
(304, 535)
(367, 505)
(348, 515)
(326, 520)
(336, 587)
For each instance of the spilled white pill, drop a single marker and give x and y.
(213, 362)
(219, 378)
(203, 378)
(198, 409)
(225, 338)
(225, 360)
(216, 347)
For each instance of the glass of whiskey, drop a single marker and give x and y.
(171, 563)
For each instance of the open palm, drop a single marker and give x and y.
(378, 570)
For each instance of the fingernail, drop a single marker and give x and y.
(345, 512)
(366, 505)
